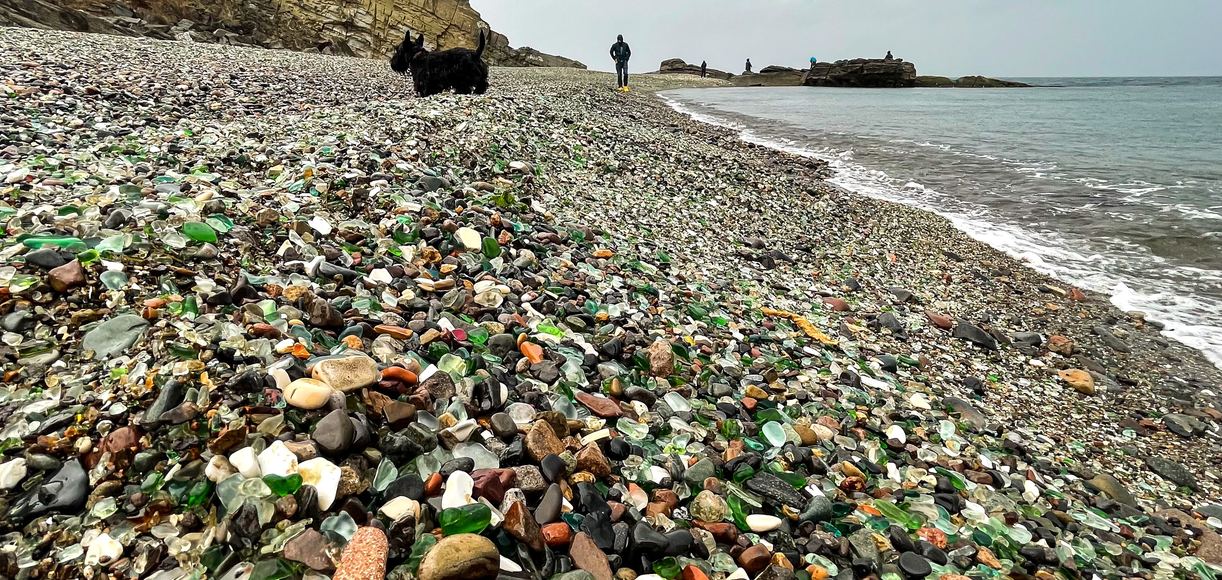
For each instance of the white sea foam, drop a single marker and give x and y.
(1184, 316)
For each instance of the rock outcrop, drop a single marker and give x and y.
(862, 72)
(771, 76)
(678, 66)
(968, 82)
(365, 28)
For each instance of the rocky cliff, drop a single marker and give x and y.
(366, 28)
(862, 72)
(678, 66)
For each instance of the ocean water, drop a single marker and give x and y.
(1114, 185)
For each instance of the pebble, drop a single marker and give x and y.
(462, 556)
(364, 557)
(308, 394)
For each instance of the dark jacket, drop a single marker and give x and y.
(620, 52)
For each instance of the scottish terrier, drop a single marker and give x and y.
(459, 69)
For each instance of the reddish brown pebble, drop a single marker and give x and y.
(557, 534)
(394, 331)
(432, 487)
(836, 304)
(399, 374)
(365, 556)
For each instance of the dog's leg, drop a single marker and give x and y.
(481, 86)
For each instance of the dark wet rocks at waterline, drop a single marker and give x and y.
(388, 340)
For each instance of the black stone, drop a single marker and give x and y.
(590, 500)
(647, 540)
(553, 467)
(975, 335)
(618, 449)
(46, 258)
(457, 464)
(679, 543)
(776, 490)
(548, 510)
(409, 486)
(171, 395)
(334, 433)
(914, 566)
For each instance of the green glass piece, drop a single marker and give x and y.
(791, 478)
(468, 519)
(275, 569)
(478, 336)
(340, 526)
(213, 557)
(200, 232)
(956, 480)
(753, 444)
(738, 512)
(632, 429)
(898, 515)
(771, 415)
(219, 223)
(452, 364)
(743, 473)
(199, 493)
(438, 349)
(283, 485)
(52, 241)
(573, 519)
(774, 434)
(731, 429)
(387, 473)
(423, 544)
(491, 248)
(114, 280)
(550, 329)
(667, 567)
(152, 482)
(841, 509)
(88, 257)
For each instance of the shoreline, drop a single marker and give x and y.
(983, 231)
(677, 232)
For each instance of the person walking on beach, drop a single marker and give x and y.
(620, 53)
(748, 68)
(704, 69)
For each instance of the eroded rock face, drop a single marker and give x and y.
(364, 28)
(862, 72)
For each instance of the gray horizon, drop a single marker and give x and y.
(1032, 38)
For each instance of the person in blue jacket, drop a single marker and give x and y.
(620, 53)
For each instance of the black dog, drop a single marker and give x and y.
(434, 72)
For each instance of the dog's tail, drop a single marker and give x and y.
(479, 52)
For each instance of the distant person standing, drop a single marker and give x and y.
(813, 62)
(620, 53)
(888, 57)
(748, 67)
(704, 69)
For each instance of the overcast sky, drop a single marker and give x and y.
(1003, 38)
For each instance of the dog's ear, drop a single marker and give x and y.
(407, 37)
(420, 41)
